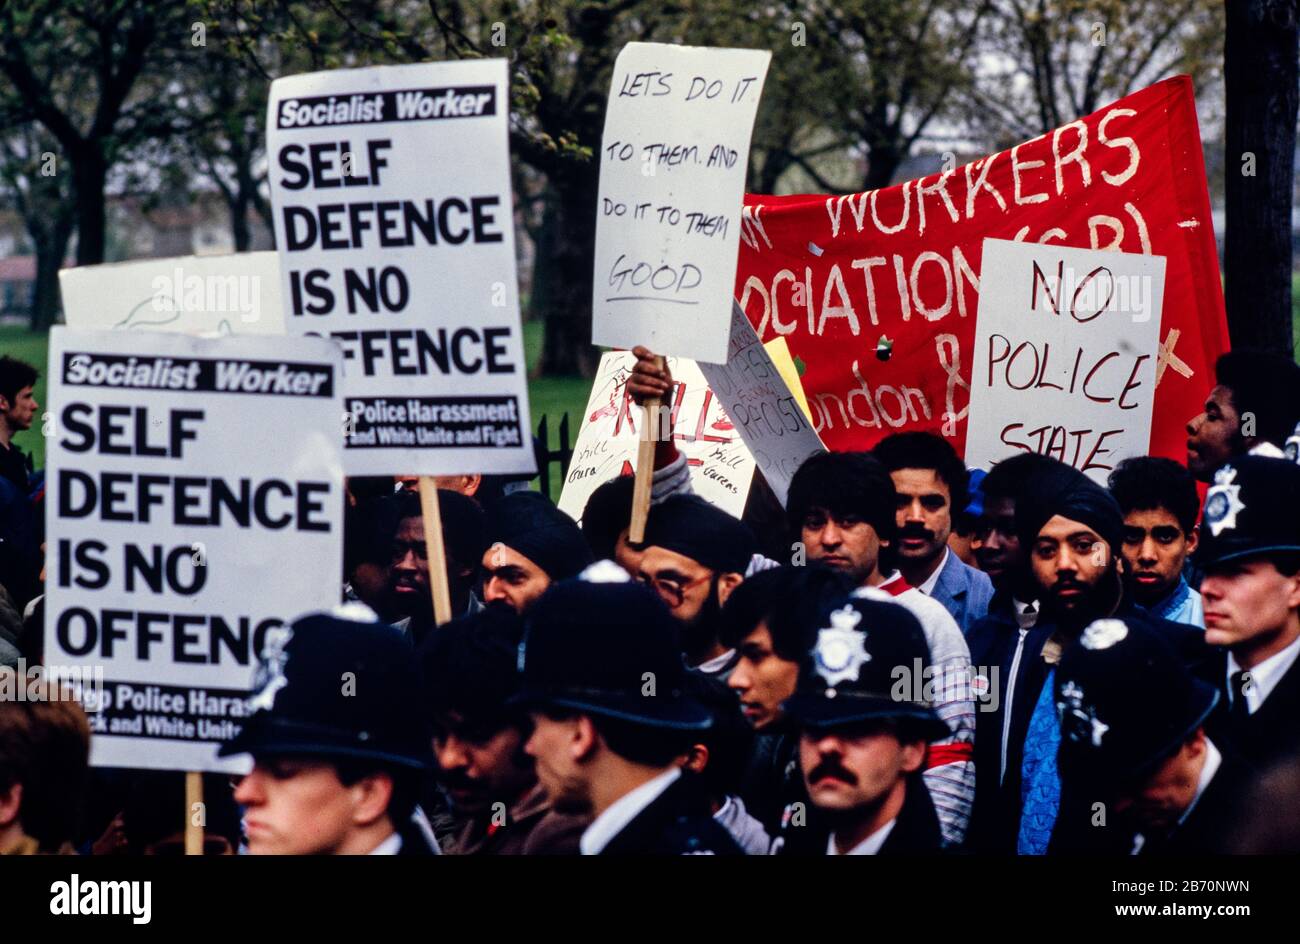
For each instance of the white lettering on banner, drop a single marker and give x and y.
(1066, 344)
(396, 242)
(672, 175)
(240, 456)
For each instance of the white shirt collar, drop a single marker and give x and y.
(716, 664)
(1025, 617)
(1213, 760)
(927, 587)
(1263, 677)
(623, 810)
(389, 846)
(869, 846)
(1267, 449)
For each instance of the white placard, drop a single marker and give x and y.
(394, 220)
(194, 504)
(761, 406)
(720, 466)
(1066, 342)
(672, 181)
(208, 295)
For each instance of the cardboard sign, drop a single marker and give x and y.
(877, 292)
(763, 409)
(721, 468)
(202, 295)
(194, 507)
(672, 180)
(1065, 352)
(393, 216)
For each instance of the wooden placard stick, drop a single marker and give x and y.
(194, 804)
(435, 549)
(645, 464)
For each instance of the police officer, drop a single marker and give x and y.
(865, 727)
(1138, 772)
(338, 740)
(1250, 552)
(603, 683)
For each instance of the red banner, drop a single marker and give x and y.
(842, 277)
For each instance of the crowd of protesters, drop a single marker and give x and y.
(909, 657)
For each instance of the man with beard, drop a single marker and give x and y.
(497, 805)
(841, 510)
(612, 726)
(531, 544)
(410, 597)
(930, 485)
(1253, 408)
(1132, 720)
(1250, 549)
(864, 730)
(770, 621)
(1073, 530)
(1160, 505)
(695, 556)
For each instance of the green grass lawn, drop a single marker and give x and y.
(551, 396)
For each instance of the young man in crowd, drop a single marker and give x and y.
(612, 727)
(862, 741)
(497, 805)
(1160, 505)
(337, 767)
(410, 599)
(841, 510)
(1253, 408)
(44, 767)
(20, 528)
(1132, 733)
(1250, 550)
(930, 484)
(770, 621)
(530, 545)
(694, 556)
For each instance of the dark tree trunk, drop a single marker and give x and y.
(566, 251)
(1260, 75)
(882, 161)
(51, 248)
(89, 174)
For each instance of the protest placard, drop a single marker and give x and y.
(876, 292)
(763, 409)
(209, 295)
(194, 508)
(1065, 352)
(720, 466)
(393, 215)
(672, 178)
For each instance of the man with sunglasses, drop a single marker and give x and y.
(695, 555)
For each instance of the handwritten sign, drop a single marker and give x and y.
(201, 295)
(1066, 342)
(721, 468)
(763, 409)
(393, 206)
(672, 180)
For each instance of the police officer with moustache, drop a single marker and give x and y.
(603, 682)
(864, 733)
(338, 741)
(1133, 739)
(1250, 552)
